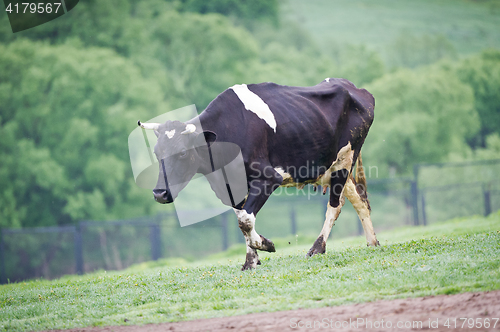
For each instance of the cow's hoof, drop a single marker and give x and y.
(250, 265)
(267, 245)
(319, 247)
(252, 260)
(247, 266)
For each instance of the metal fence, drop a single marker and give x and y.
(442, 191)
(50, 252)
(436, 192)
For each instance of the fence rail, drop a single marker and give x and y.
(419, 200)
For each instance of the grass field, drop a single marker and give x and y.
(446, 258)
(470, 25)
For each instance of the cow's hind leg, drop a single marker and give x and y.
(332, 213)
(356, 194)
(340, 171)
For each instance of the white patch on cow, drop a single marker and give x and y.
(170, 133)
(344, 161)
(283, 174)
(288, 180)
(344, 158)
(327, 79)
(255, 104)
(362, 210)
(247, 224)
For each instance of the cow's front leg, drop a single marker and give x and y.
(260, 190)
(253, 240)
(246, 222)
(252, 259)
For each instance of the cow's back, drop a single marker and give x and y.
(312, 123)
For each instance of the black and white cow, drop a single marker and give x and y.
(280, 130)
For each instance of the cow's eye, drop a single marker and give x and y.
(183, 153)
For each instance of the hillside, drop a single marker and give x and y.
(470, 25)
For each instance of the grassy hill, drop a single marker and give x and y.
(446, 258)
(470, 25)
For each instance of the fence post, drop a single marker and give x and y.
(3, 276)
(424, 215)
(155, 239)
(293, 220)
(78, 249)
(414, 201)
(487, 199)
(414, 194)
(223, 223)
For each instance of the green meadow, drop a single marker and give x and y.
(456, 256)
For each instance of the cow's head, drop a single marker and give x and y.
(180, 150)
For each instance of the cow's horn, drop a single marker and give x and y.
(153, 126)
(190, 128)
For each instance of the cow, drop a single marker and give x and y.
(280, 130)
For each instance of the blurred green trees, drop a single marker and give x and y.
(412, 51)
(431, 113)
(482, 73)
(65, 115)
(203, 54)
(420, 116)
(245, 10)
(72, 91)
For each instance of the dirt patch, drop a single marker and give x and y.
(427, 313)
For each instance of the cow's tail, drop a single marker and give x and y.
(361, 187)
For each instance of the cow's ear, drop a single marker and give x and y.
(202, 142)
(205, 138)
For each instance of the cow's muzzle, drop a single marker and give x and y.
(162, 196)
